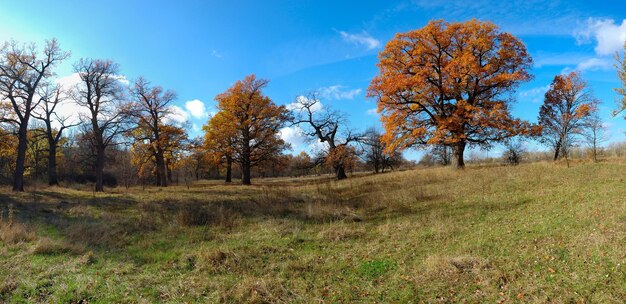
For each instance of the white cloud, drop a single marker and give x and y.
(177, 115)
(338, 92)
(362, 38)
(372, 112)
(217, 54)
(196, 108)
(293, 135)
(594, 64)
(608, 35)
(534, 95)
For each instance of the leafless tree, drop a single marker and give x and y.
(594, 133)
(375, 152)
(51, 96)
(513, 150)
(101, 93)
(22, 72)
(324, 124)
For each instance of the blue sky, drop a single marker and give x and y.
(200, 48)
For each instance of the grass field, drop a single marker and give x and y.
(534, 233)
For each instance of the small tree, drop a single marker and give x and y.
(376, 154)
(567, 104)
(513, 151)
(594, 133)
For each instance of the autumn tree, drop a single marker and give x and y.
(621, 74)
(450, 84)
(100, 93)
(220, 139)
(250, 122)
(566, 105)
(324, 125)
(51, 97)
(22, 71)
(150, 108)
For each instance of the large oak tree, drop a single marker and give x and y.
(450, 84)
(249, 121)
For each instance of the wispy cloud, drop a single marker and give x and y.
(361, 39)
(216, 54)
(372, 112)
(339, 92)
(534, 95)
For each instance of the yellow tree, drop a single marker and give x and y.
(219, 140)
(450, 84)
(248, 123)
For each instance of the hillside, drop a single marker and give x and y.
(533, 233)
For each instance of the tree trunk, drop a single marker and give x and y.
(168, 171)
(245, 173)
(18, 175)
(229, 170)
(99, 187)
(52, 165)
(341, 172)
(458, 150)
(160, 164)
(557, 150)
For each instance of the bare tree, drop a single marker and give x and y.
(376, 154)
(22, 72)
(323, 124)
(594, 133)
(50, 98)
(513, 150)
(100, 92)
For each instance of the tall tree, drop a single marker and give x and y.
(621, 74)
(566, 105)
(22, 72)
(323, 125)
(450, 84)
(252, 121)
(151, 107)
(54, 125)
(100, 93)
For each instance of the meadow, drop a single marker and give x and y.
(533, 233)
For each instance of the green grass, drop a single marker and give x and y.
(534, 233)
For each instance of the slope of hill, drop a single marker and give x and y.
(537, 233)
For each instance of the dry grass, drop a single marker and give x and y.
(534, 233)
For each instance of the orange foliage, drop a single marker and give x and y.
(450, 84)
(246, 126)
